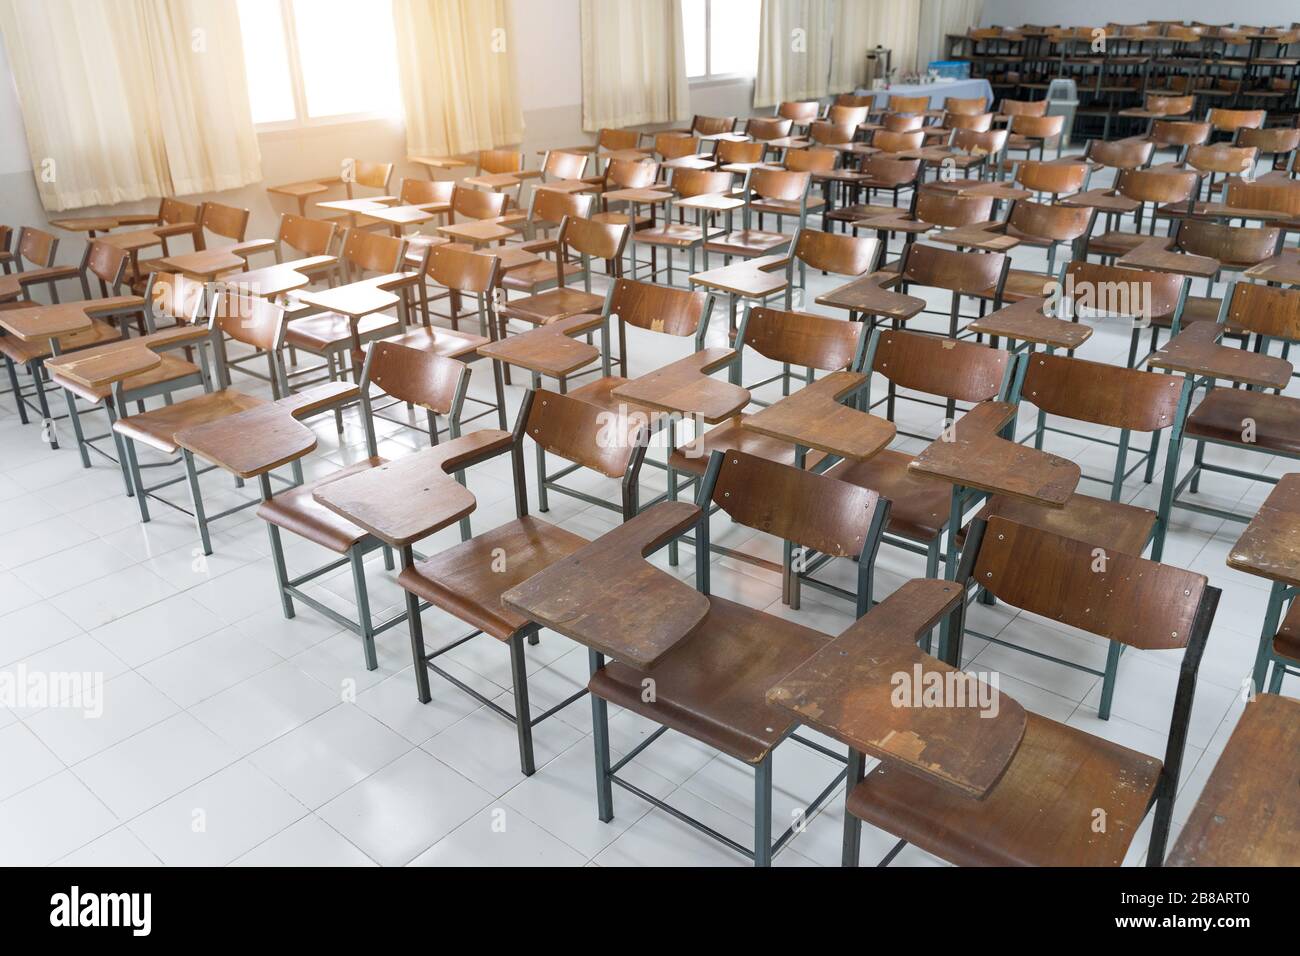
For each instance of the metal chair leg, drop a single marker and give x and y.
(523, 714)
(281, 570)
(1108, 680)
(76, 429)
(600, 740)
(852, 849)
(16, 389)
(196, 498)
(763, 811)
(47, 420)
(133, 468)
(416, 627)
(363, 608)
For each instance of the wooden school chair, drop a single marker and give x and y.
(978, 275)
(1007, 109)
(1218, 159)
(412, 498)
(740, 155)
(1141, 297)
(475, 217)
(167, 296)
(1231, 122)
(1042, 809)
(762, 129)
(931, 210)
(338, 336)
(1231, 248)
(1278, 143)
(878, 173)
(975, 122)
(1118, 154)
(1250, 419)
(774, 191)
(967, 152)
(687, 184)
(1128, 400)
(1178, 135)
(710, 661)
(1159, 106)
(580, 239)
(1044, 226)
(1153, 188)
(435, 383)
(174, 218)
(224, 222)
(936, 372)
(93, 324)
(465, 274)
(532, 272)
(801, 113)
(252, 321)
(1029, 133)
(631, 187)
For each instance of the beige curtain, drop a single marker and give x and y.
(862, 25)
(633, 63)
(457, 74)
(198, 71)
(123, 100)
(940, 18)
(794, 50)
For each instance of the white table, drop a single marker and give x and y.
(938, 91)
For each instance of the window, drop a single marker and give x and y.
(303, 62)
(721, 37)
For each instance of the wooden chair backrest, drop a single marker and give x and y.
(311, 237)
(1157, 185)
(1231, 245)
(174, 296)
(730, 151)
(581, 432)
(851, 99)
(1101, 393)
(1272, 311)
(1180, 133)
(618, 139)
(1120, 153)
(562, 165)
(1229, 121)
(596, 239)
(829, 134)
(838, 253)
(902, 122)
(712, 125)
(1134, 601)
(250, 319)
(630, 173)
(811, 160)
(676, 145)
(463, 270)
(1038, 127)
(802, 111)
(1054, 178)
(1092, 285)
(847, 115)
(1041, 220)
(1023, 107)
(1221, 158)
(888, 142)
(1170, 105)
(764, 128)
(975, 122)
(1276, 139)
(416, 376)
(909, 104)
(949, 209)
(965, 106)
(781, 184)
(803, 339)
(418, 192)
(967, 273)
(107, 263)
(990, 141)
(700, 182)
(951, 368)
(470, 203)
(657, 308)
(551, 205)
(1282, 197)
(37, 247)
(371, 252)
(372, 175)
(815, 511)
(173, 212)
(495, 161)
(227, 221)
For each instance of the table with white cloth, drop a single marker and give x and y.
(937, 91)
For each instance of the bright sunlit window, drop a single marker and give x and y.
(303, 63)
(721, 37)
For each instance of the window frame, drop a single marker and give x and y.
(709, 78)
(298, 87)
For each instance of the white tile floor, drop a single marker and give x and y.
(232, 735)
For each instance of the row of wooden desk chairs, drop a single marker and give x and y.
(226, 439)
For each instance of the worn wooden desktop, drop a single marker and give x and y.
(1026, 322)
(1249, 812)
(815, 417)
(685, 387)
(868, 296)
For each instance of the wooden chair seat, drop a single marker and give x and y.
(21, 352)
(713, 685)
(1041, 813)
(731, 435)
(863, 211)
(170, 369)
(157, 426)
(675, 234)
(553, 304)
(11, 285)
(622, 219)
(328, 331)
(920, 505)
(468, 579)
(785, 207)
(1112, 525)
(1023, 284)
(600, 392)
(446, 342)
(297, 511)
(1199, 308)
(1115, 243)
(527, 278)
(1221, 413)
(747, 242)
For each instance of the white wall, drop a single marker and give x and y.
(1097, 12)
(548, 54)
